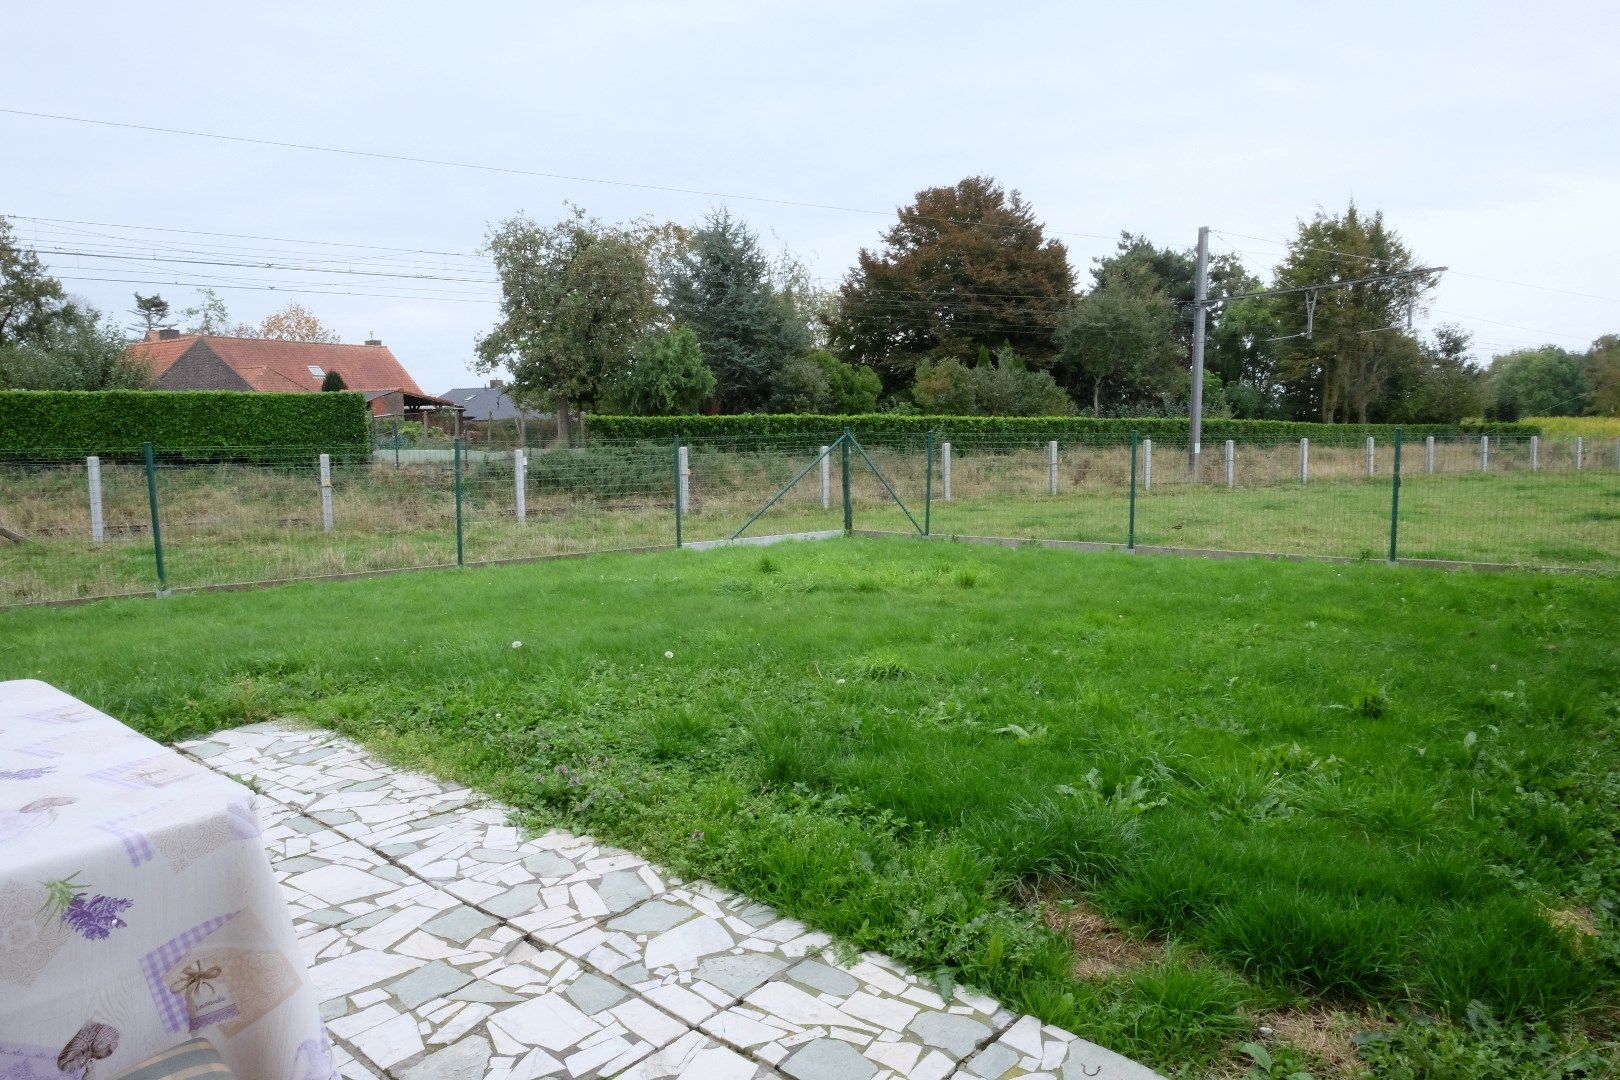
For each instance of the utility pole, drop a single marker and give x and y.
(1200, 302)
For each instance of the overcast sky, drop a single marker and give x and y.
(1487, 133)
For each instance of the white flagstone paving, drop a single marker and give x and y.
(447, 944)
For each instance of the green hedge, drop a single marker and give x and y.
(882, 427)
(202, 424)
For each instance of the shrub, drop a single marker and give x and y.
(200, 424)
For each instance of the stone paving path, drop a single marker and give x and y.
(447, 945)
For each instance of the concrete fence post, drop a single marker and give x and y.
(520, 483)
(685, 466)
(1580, 452)
(1051, 467)
(1484, 453)
(1428, 454)
(326, 492)
(1304, 461)
(1372, 456)
(1617, 453)
(826, 478)
(1535, 453)
(1231, 453)
(1147, 464)
(92, 472)
(945, 470)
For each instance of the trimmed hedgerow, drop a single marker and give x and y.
(881, 427)
(207, 424)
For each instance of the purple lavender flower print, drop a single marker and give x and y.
(96, 917)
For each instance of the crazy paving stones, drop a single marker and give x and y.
(447, 944)
(868, 1019)
(693, 950)
(1032, 1049)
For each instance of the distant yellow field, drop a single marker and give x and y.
(1590, 426)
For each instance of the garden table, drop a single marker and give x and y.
(137, 907)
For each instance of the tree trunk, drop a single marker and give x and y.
(562, 421)
(1096, 397)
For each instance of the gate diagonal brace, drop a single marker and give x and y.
(790, 486)
(842, 440)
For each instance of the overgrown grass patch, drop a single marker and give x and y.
(1312, 787)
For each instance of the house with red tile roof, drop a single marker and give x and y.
(211, 362)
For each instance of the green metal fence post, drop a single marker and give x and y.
(1130, 527)
(928, 486)
(460, 556)
(157, 530)
(396, 442)
(849, 510)
(677, 491)
(1395, 498)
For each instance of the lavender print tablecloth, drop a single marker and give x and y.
(137, 908)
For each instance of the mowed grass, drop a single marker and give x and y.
(1381, 791)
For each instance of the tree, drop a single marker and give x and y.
(1122, 334)
(208, 315)
(1442, 386)
(722, 288)
(1356, 345)
(667, 376)
(964, 267)
(851, 390)
(1004, 387)
(576, 296)
(819, 382)
(295, 322)
(1242, 349)
(946, 388)
(77, 351)
(1548, 381)
(800, 386)
(332, 381)
(1603, 372)
(30, 299)
(151, 313)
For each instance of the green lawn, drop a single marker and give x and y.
(1263, 787)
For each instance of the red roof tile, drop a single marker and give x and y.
(284, 366)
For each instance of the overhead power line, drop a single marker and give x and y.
(1459, 273)
(510, 170)
(273, 288)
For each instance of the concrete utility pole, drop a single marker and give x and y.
(1200, 298)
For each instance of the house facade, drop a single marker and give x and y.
(210, 362)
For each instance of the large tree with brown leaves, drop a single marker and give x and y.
(965, 267)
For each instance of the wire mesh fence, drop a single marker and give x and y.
(84, 526)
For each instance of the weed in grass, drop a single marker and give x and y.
(881, 666)
(1507, 952)
(1483, 1048)
(1175, 1009)
(1370, 703)
(1055, 838)
(1333, 947)
(1285, 1064)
